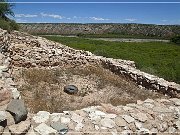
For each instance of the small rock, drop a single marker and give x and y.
(15, 93)
(2, 116)
(10, 119)
(20, 128)
(140, 116)
(55, 117)
(99, 113)
(10, 82)
(127, 108)
(65, 120)
(4, 68)
(162, 127)
(79, 126)
(70, 89)
(162, 109)
(1, 130)
(148, 105)
(138, 125)
(171, 130)
(6, 131)
(149, 101)
(178, 124)
(43, 129)
(31, 131)
(109, 123)
(128, 118)
(96, 127)
(61, 128)
(71, 126)
(176, 101)
(144, 131)
(126, 132)
(77, 118)
(5, 97)
(18, 110)
(41, 117)
(120, 122)
(154, 131)
(94, 117)
(110, 116)
(139, 102)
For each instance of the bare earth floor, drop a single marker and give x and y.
(42, 89)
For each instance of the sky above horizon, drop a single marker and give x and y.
(146, 13)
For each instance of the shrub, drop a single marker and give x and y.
(8, 25)
(176, 40)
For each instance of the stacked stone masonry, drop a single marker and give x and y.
(144, 117)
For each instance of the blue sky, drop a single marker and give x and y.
(151, 13)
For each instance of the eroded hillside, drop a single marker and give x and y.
(147, 30)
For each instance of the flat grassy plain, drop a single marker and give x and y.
(158, 58)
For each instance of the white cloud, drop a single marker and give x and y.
(164, 20)
(21, 20)
(52, 16)
(25, 15)
(98, 19)
(130, 19)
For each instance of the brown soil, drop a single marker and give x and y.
(42, 89)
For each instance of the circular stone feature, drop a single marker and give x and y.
(70, 89)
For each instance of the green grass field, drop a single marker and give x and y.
(116, 35)
(158, 58)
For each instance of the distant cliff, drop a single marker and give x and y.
(149, 30)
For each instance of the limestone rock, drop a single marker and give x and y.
(15, 93)
(55, 117)
(4, 68)
(77, 118)
(6, 131)
(106, 122)
(120, 121)
(44, 129)
(65, 120)
(138, 125)
(128, 118)
(3, 116)
(79, 126)
(61, 128)
(10, 119)
(176, 101)
(1, 130)
(20, 128)
(41, 117)
(140, 116)
(18, 110)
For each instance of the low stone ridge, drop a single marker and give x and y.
(143, 117)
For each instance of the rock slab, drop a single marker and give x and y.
(18, 110)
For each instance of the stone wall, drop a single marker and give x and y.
(31, 51)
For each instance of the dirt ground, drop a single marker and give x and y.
(42, 89)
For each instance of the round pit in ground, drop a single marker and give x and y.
(43, 88)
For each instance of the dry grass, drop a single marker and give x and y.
(42, 89)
